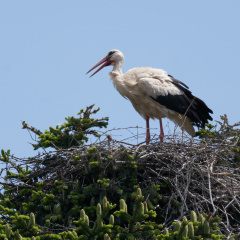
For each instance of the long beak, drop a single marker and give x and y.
(107, 62)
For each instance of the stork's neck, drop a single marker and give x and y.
(117, 68)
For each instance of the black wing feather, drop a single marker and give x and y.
(178, 81)
(187, 104)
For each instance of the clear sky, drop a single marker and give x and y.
(46, 47)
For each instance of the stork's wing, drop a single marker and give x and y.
(178, 81)
(174, 95)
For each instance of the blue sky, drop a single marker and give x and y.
(46, 47)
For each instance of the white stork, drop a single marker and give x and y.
(155, 94)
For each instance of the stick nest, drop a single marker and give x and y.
(203, 176)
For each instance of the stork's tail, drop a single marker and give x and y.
(183, 122)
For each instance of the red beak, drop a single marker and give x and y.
(106, 62)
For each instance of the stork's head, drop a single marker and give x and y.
(113, 58)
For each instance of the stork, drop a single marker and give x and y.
(156, 94)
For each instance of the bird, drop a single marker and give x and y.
(155, 94)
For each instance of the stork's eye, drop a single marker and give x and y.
(111, 53)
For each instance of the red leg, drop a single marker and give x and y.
(161, 130)
(147, 131)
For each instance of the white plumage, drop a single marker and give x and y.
(155, 94)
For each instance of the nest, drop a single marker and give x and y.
(203, 176)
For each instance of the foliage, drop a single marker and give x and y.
(72, 133)
(203, 228)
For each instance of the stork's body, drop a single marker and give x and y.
(155, 94)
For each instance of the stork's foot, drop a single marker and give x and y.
(161, 136)
(148, 131)
(147, 140)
